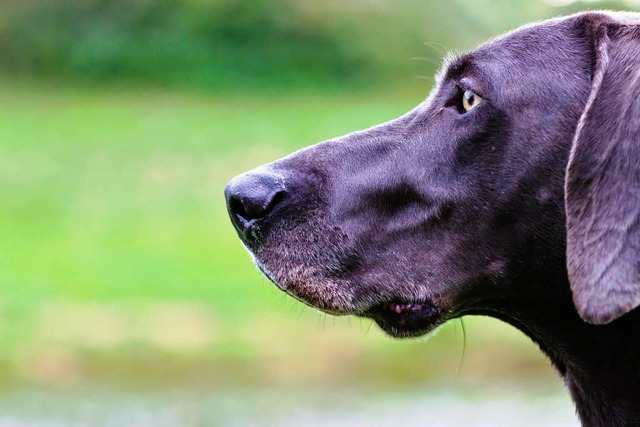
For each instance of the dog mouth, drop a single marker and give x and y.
(397, 316)
(406, 319)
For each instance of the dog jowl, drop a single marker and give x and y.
(513, 191)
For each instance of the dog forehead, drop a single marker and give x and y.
(547, 41)
(530, 53)
(541, 45)
(547, 60)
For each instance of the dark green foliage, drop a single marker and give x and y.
(173, 42)
(249, 44)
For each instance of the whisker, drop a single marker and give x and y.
(464, 347)
(368, 327)
(300, 311)
(426, 59)
(436, 46)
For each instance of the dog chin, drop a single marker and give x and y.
(399, 333)
(401, 319)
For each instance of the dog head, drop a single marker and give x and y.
(444, 210)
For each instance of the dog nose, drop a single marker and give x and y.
(252, 196)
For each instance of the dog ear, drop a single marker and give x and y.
(602, 196)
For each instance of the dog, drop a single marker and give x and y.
(512, 191)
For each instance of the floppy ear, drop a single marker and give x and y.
(602, 184)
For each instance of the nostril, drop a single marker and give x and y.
(237, 208)
(276, 197)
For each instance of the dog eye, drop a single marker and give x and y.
(470, 100)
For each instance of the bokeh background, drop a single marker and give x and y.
(126, 298)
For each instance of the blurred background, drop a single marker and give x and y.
(127, 299)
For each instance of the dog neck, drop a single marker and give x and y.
(599, 364)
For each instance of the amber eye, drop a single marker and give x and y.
(470, 100)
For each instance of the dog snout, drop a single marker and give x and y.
(251, 197)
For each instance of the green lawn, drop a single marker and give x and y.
(118, 263)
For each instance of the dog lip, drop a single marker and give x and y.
(248, 232)
(334, 311)
(401, 318)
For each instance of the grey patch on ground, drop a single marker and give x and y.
(473, 407)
